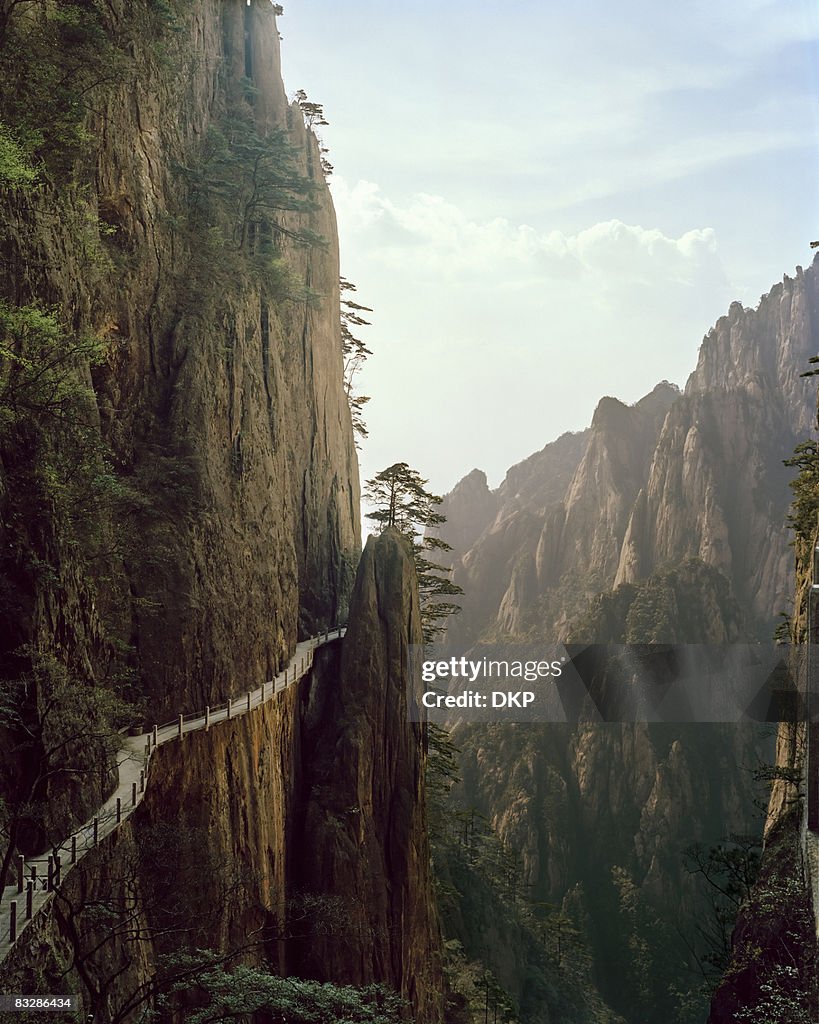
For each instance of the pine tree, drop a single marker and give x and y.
(355, 354)
(400, 499)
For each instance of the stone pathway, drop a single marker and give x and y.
(29, 890)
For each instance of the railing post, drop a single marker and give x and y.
(74, 849)
(181, 723)
(58, 870)
(156, 736)
(142, 780)
(21, 867)
(50, 874)
(248, 700)
(119, 809)
(147, 753)
(207, 717)
(13, 921)
(264, 686)
(34, 875)
(29, 900)
(133, 794)
(228, 711)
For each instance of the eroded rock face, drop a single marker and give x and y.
(717, 491)
(470, 507)
(238, 394)
(562, 511)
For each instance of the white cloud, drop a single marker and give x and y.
(558, 187)
(431, 236)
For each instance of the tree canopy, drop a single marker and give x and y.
(400, 499)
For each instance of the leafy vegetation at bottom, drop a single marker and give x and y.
(219, 994)
(771, 977)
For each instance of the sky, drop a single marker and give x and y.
(545, 203)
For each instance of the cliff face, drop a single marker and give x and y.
(773, 968)
(605, 485)
(196, 508)
(294, 836)
(364, 831)
(220, 394)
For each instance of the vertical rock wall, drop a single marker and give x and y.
(221, 393)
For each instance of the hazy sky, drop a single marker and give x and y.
(545, 203)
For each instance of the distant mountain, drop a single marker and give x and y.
(664, 521)
(676, 476)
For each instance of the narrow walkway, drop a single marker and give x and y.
(35, 879)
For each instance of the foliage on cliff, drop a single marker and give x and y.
(771, 978)
(771, 973)
(675, 605)
(400, 499)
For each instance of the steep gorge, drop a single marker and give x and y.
(189, 513)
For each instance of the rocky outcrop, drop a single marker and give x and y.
(364, 833)
(470, 507)
(558, 515)
(604, 487)
(773, 341)
(540, 481)
(718, 491)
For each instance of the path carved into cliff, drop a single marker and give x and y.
(37, 878)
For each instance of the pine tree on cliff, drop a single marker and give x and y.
(355, 353)
(400, 499)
